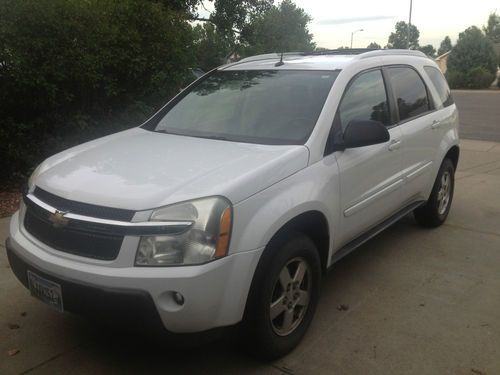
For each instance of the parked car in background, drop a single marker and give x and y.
(229, 205)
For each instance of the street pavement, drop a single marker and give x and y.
(479, 114)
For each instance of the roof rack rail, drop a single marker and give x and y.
(361, 53)
(391, 52)
(341, 51)
(269, 56)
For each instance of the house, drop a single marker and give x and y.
(442, 61)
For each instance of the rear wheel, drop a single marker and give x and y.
(284, 296)
(435, 211)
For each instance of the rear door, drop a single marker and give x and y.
(370, 177)
(419, 124)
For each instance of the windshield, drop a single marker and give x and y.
(257, 106)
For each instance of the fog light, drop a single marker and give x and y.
(179, 298)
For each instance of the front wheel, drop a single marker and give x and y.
(284, 296)
(435, 211)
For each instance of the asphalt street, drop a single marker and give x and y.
(417, 301)
(479, 114)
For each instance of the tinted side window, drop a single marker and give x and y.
(365, 99)
(440, 84)
(410, 92)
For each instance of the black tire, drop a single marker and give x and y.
(432, 214)
(262, 336)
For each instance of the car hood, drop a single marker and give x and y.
(139, 169)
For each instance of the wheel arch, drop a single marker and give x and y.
(313, 224)
(453, 154)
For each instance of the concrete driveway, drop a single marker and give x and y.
(419, 302)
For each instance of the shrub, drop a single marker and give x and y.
(455, 79)
(476, 78)
(480, 78)
(472, 62)
(73, 70)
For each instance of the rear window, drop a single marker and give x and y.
(410, 91)
(257, 106)
(439, 82)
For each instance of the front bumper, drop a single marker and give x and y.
(129, 308)
(214, 293)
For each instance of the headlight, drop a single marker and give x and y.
(205, 240)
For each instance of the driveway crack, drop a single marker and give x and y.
(43, 363)
(478, 166)
(473, 230)
(283, 369)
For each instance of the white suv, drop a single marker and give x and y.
(232, 201)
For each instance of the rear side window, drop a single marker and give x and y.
(365, 99)
(410, 91)
(441, 86)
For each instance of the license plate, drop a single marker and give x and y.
(45, 290)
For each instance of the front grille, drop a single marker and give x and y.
(85, 209)
(91, 240)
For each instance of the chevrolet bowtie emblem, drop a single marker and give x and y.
(58, 220)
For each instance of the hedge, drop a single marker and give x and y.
(73, 70)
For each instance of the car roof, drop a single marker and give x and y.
(318, 60)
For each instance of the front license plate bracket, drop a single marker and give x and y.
(45, 290)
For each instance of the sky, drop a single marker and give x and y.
(333, 21)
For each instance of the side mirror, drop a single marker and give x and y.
(359, 133)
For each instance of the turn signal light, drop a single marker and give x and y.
(224, 234)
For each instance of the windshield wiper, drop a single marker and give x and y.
(217, 137)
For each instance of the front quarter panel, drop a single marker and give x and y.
(258, 218)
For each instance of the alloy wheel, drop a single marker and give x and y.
(444, 191)
(290, 297)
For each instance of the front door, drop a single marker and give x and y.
(371, 179)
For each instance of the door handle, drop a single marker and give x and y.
(435, 124)
(394, 145)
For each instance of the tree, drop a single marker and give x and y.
(282, 28)
(189, 6)
(229, 16)
(399, 38)
(492, 29)
(472, 62)
(234, 15)
(428, 49)
(445, 46)
(211, 46)
(374, 45)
